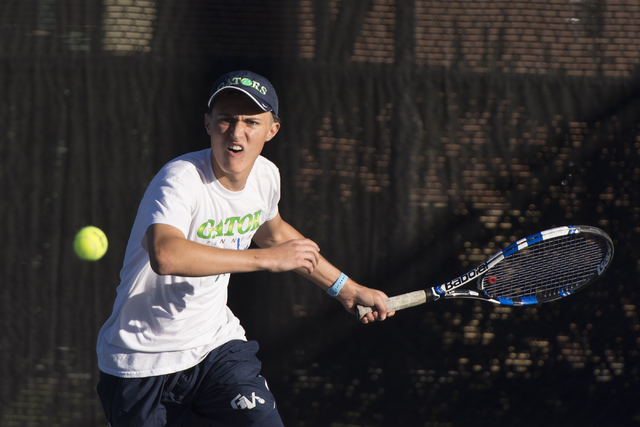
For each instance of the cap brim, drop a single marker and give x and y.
(219, 92)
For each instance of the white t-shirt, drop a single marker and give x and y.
(166, 324)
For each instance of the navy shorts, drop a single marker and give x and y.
(225, 389)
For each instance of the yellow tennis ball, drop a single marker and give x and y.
(90, 243)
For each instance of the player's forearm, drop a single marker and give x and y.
(180, 257)
(324, 275)
(171, 254)
(278, 231)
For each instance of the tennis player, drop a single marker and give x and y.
(172, 345)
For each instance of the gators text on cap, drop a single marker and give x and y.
(253, 85)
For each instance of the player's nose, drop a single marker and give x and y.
(237, 130)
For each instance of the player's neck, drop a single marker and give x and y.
(232, 182)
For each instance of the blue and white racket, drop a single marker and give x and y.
(540, 268)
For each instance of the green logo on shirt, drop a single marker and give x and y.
(226, 227)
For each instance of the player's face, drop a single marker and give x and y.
(238, 129)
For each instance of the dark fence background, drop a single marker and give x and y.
(418, 138)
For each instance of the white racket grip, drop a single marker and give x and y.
(396, 303)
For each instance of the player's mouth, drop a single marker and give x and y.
(235, 148)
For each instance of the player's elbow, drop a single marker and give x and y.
(162, 244)
(162, 262)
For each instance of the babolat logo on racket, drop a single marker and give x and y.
(464, 278)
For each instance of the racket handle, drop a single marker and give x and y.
(398, 302)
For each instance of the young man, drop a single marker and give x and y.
(171, 344)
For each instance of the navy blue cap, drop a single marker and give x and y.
(253, 85)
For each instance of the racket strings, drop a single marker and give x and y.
(546, 269)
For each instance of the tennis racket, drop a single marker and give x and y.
(540, 268)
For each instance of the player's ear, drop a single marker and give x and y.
(207, 122)
(275, 127)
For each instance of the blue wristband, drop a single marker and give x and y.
(334, 290)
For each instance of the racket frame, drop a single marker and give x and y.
(448, 290)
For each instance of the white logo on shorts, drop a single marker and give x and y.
(242, 402)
